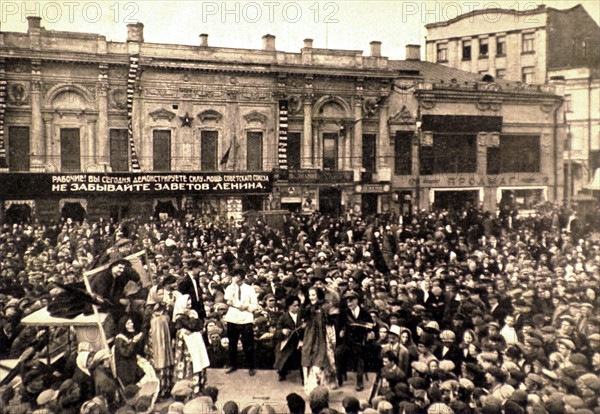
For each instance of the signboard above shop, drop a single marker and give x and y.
(308, 176)
(35, 184)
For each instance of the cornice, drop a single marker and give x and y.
(66, 57)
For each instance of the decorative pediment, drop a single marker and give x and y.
(162, 114)
(255, 116)
(403, 116)
(210, 115)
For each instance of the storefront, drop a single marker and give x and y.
(309, 190)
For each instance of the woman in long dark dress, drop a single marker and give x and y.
(318, 346)
(128, 345)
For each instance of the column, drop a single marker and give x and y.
(357, 139)
(51, 161)
(38, 149)
(348, 137)
(102, 154)
(307, 138)
(317, 161)
(383, 144)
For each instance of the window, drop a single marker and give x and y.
(330, 151)
(517, 153)
(70, 150)
(500, 73)
(525, 199)
(293, 150)
(528, 74)
(442, 52)
(403, 153)
(483, 47)
(18, 148)
(161, 150)
(254, 151)
(568, 103)
(580, 47)
(208, 150)
(466, 50)
(119, 150)
(426, 160)
(501, 46)
(369, 153)
(528, 42)
(454, 153)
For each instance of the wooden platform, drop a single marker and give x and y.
(265, 388)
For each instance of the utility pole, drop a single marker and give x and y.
(569, 166)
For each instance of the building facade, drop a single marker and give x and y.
(534, 46)
(95, 128)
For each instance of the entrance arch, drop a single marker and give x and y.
(165, 207)
(74, 211)
(18, 213)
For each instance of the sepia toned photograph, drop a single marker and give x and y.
(291, 207)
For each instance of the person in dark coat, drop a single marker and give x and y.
(109, 287)
(189, 285)
(288, 334)
(128, 345)
(357, 326)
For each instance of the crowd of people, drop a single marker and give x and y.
(450, 312)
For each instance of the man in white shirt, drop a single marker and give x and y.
(242, 302)
(508, 331)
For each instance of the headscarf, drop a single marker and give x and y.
(81, 362)
(153, 296)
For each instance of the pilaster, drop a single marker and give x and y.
(38, 147)
(103, 145)
(307, 138)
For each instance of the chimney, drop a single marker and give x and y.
(135, 32)
(375, 48)
(203, 40)
(413, 52)
(308, 43)
(268, 42)
(34, 22)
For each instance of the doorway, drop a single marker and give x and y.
(165, 207)
(330, 201)
(369, 204)
(18, 213)
(73, 211)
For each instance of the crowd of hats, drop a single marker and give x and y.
(434, 276)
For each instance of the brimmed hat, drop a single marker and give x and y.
(568, 343)
(46, 396)
(395, 330)
(591, 381)
(447, 365)
(182, 388)
(101, 355)
(439, 408)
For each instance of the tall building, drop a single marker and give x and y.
(93, 128)
(534, 47)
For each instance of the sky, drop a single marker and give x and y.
(340, 24)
